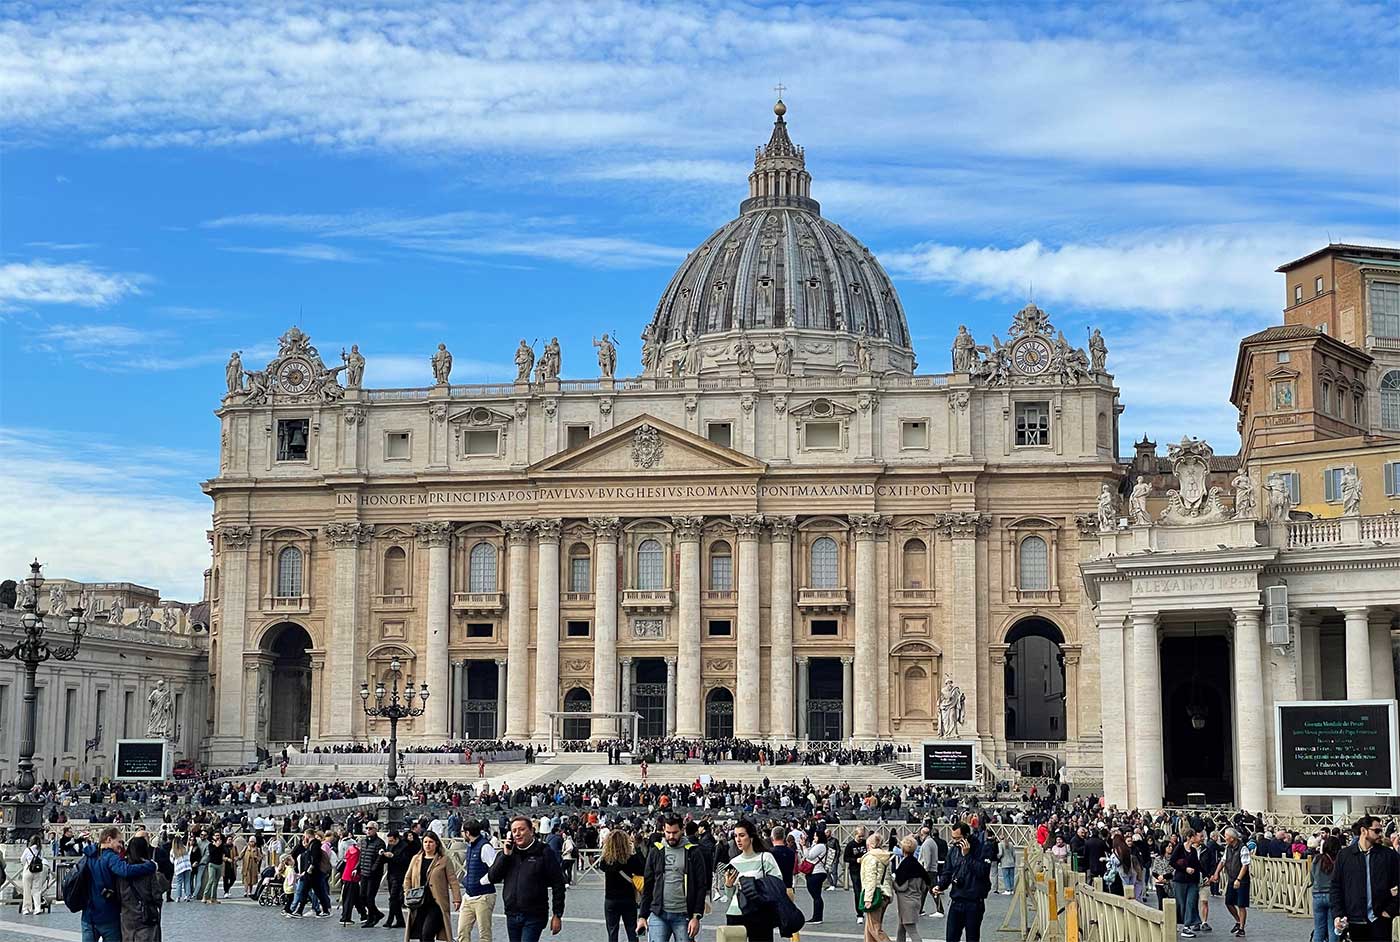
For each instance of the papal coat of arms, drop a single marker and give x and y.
(646, 447)
(1194, 501)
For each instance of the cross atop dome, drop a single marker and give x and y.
(780, 176)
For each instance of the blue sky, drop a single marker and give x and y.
(178, 181)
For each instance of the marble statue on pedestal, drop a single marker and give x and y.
(1351, 492)
(1137, 503)
(524, 361)
(442, 365)
(1108, 508)
(952, 710)
(160, 722)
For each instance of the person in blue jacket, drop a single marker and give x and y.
(102, 914)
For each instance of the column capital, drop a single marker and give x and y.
(963, 523)
(670, 663)
(502, 662)
(605, 529)
(1359, 613)
(547, 529)
(848, 660)
(434, 533)
(349, 534)
(626, 661)
(1248, 615)
(688, 528)
(802, 660)
(870, 526)
(748, 525)
(236, 537)
(517, 531)
(1145, 619)
(997, 653)
(782, 527)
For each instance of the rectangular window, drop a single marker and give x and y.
(721, 573)
(1284, 356)
(1392, 479)
(70, 717)
(481, 629)
(822, 435)
(913, 434)
(1297, 293)
(5, 720)
(580, 579)
(1385, 309)
(1358, 409)
(292, 438)
(1291, 479)
(578, 434)
(825, 628)
(101, 719)
(720, 628)
(482, 442)
(1032, 423)
(1326, 398)
(1317, 285)
(128, 699)
(721, 433)
(396, 446)
(1332, 485)
(577, 629)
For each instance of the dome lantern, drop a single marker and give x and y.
(779, 176)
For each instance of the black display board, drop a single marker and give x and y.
(141, 760)
(950, 762)
(1336, 747)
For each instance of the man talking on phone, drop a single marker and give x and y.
(967, 880)
(532, 873)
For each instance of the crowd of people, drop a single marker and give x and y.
(469, 747)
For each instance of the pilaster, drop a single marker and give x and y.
(516, 716)
(546, 626)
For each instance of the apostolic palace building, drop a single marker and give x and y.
(778, 528)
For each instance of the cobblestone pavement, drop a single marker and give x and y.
(237, 920)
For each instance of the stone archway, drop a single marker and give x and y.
(719, 714)
(577, 700)
(284, 700)
(1035, 682)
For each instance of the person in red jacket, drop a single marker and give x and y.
(350, 900)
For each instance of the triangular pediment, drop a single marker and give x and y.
(1282, 372)
(646, 445)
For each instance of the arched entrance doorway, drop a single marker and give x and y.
(1035, 682)
(649, 697)
(719, 714)
(577, 700)
(287, 700)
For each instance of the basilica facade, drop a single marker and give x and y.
(778, 529)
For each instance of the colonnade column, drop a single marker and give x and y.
(501, 679)
(460, 694)
(343, 651)
(671, 697)
(1251, 731)
(546, 626)
(1358, 648)
(605, 530)
(1382, 660)
(847, 701)
(626, 685)
(683, 696)
(867, 716)
(996, 655)
(437, 537)
(780, 663)
(802, 694)
(517, 700)
(1113, 710)
(747, 675)
(1147, 711)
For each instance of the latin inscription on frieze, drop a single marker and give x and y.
(1195, 585)
(633, 492)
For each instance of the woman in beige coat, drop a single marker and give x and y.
(432, 870)
(875, 874)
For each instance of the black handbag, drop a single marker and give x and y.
(414, 897)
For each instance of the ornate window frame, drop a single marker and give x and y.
(273, 542)
(1014, 535)
(479, 419)
(390, 538)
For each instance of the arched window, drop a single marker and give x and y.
(915, 565)
(289, 573)
(215, 593)
(721, 567)
(650, 572)
(580, 571)
(395, 571)
(1390, 401)
(481, 573)
(1034, 565)
(824, 563)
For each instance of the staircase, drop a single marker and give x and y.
(902, 770)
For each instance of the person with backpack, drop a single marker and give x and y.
(141, 897)
(32, 877)
(92, 889)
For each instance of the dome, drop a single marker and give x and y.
(782, 268)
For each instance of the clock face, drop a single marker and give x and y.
(1031, 356)
(294, 376)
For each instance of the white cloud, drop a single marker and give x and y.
(107, 513)
(305, 252)
(23, 283)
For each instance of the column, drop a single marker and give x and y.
(458, 700)
(435, 666)
(847, 705)
(516, 716)
(747, 680)
(997, 656)
(1147, 710)
(228, 746)
(867, 717)
(626, 685)
(501, 679)
(1382, 660)
(343, 649)
(318, 677)
(802, 695)
(1358, 647)
(1305, 637)
(780, 663)
(605, 531)
(671, 697)
(1251, 731)
(685, 706)
(546, 626)
(1113, 711)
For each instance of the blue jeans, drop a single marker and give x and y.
(668, 927)
(1324, 929)
(1008, 878)
(110, 931)
(524, 928)
(1188, 904)
(307, 887)
(182, 889)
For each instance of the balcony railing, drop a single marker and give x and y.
(394, 600)
(647, 600)
(720, 595)
(287, 604)
(485, 603)
(1386, 529)
(1343, 531)
(913, 595)
(576, 597)
(823, 600)
(1314, 532)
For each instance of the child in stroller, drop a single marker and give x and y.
(268, 891)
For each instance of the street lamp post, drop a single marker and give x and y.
(23, 815)
(391, 706)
